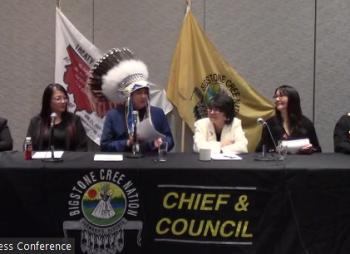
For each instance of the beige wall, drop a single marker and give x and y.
(269, 42)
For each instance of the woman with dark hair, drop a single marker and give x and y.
(289, 123)
(221, 131)
(69, 133)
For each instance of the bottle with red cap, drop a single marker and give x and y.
(28, 148)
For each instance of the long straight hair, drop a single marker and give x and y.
(46, 102)
(294, 111)
(46, 111)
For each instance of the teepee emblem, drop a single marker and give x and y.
(104, 204)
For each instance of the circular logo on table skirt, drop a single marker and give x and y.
(103, 204)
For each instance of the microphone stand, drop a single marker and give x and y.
(135, 153)
(264, 156)
(271, 136)
(51, 147)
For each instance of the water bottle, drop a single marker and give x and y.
(28, 148)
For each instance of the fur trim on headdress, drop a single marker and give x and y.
(119, 82)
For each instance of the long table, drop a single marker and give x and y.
(299, 205)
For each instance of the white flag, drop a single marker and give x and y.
(75, 56)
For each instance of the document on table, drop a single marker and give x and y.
(293, 146)
(108, 157)
(146, 131)
(225, 156)
(47, 154)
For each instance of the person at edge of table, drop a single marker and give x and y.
(126, 84)
(6, 142)
(221, 131)
(69, 133)
(341, 136)
(289, 123)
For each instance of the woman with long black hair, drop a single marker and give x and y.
(69, 133)
(289, 123)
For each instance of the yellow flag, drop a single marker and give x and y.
(198, 72)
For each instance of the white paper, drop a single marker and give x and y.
(108, 157)
(225, 156)
(47, 154)
(147, 132)
(293, 146)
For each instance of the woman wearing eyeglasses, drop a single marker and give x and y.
(69, 133)
(289, 123)
(221, 130)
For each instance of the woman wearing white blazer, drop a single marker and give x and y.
(221, 130)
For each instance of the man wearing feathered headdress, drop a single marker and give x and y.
(124, 80)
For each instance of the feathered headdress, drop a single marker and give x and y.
(117, 74)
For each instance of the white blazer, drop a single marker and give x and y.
(205, 137)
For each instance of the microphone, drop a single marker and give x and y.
(135, 145)
(52, 123)
(262, 122)
(135, 152)
(51, 143)
(52, 116)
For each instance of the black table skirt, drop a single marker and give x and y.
(300, 205)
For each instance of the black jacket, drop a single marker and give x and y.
(76, 140)
(6, 142)
(307, 130)
(341, 135)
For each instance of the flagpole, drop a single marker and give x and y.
(183, 125)
(58, 4)
(188, 5)
(183, 133)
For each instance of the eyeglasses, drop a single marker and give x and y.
(278, 96)
(59, 99)
(213, 110)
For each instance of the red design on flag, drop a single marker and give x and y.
(76, 76)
